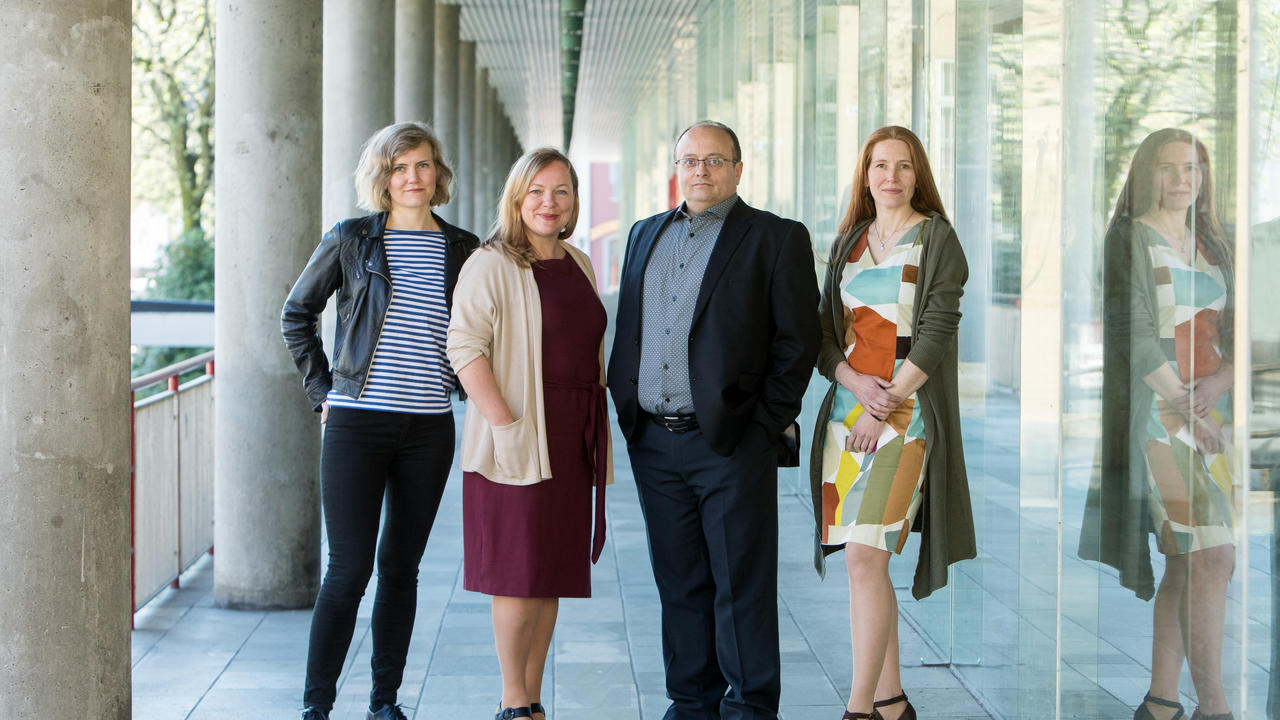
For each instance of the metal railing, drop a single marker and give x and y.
(171, 484)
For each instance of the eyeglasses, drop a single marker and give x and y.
(711, 163)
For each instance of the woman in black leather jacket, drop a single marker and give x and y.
(385, 401)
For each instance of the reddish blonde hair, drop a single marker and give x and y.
(925, 199)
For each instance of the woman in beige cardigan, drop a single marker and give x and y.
(526, 340)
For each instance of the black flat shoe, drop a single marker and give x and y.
(314, 713)
(513, 712)
(386, 712)
(909, 713)
(537, 709)
(1142, 713)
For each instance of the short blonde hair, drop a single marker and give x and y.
(373, 173)
(509, 231)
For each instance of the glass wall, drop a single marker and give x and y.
(1125, 510)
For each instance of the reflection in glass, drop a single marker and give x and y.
(1165, 466)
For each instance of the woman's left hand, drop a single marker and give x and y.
(1208, 437)
(1206, 392)
(865, 434)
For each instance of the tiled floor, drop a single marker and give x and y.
(192, 660)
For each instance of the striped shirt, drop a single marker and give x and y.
(409, 371)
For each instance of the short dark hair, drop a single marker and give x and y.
(737, 147)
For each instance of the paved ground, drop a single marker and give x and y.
(192, 660)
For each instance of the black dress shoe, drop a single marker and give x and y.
(509, 713)
(537, 709)
(314, 713)
(386, 712)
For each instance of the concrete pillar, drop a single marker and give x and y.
(501, 151)
(446, 91)
(464, 159)
(491, 187)
(64, 300)
(267, 441)
(415, 52)
(359, 77)
(478, 180)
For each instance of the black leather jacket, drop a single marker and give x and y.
(351, 260)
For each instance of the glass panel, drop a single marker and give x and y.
(1262, 516)
(1161, 510)
(1033, 113)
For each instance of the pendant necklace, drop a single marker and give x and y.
(881, 234)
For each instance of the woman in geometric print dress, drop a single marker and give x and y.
(887, 451)
(1167, 372)
(384, 402)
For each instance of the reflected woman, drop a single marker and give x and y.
(1167, 284)
(887, 439)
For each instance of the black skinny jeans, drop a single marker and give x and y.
(367, 454)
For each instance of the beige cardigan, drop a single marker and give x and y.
(497, 314)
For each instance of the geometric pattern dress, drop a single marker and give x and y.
(1190, 492)
(872, 498)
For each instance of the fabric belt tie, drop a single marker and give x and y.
(596, 435)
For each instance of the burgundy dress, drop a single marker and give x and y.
(536, 540)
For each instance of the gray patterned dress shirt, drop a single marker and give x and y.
(672, 280)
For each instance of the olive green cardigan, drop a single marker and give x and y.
(945, 520)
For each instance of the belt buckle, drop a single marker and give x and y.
(677, 423)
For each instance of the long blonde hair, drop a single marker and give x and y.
(924, 200)
(508, 232)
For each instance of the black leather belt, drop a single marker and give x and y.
(677, 423)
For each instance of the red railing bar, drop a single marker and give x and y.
(133, 535)
(163, 374)
(177, 479)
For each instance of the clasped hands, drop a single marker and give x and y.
(877, 400)
(1195, 401)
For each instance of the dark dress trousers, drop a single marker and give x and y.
(709, 496)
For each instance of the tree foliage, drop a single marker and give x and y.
(173, 105)
(1162, 65)
(173, 92)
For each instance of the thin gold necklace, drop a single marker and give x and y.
(1177, 240)
(881, 234)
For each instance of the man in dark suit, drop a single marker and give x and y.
(717, 332)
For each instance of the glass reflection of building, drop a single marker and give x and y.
(1031, 113)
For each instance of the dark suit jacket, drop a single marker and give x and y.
(754, 336)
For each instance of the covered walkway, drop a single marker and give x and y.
(193, 660)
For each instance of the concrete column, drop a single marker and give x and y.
(446, 91)
(64, 300)
(492, 183)
(464, 159)
(359, 75)
(415, 51)
(502, 152)
(266, 488)
(478, 180)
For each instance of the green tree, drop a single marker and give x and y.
(185, 273)
(173, 93)
(173, 106)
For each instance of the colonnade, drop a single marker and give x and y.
(296, 97)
